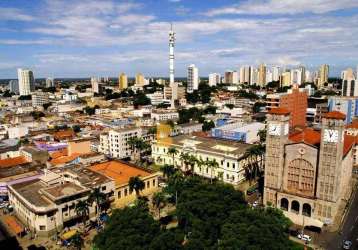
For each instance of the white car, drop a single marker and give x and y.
(304, 237)
(163, 185)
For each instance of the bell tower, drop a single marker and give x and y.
(276, 138)
(329, 183)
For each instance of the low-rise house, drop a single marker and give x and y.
(121, 172)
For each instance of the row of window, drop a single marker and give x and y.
(127, 192)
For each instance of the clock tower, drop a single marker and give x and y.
(329, 182)
(276, 138)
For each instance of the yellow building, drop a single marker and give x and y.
(123, 81)
(286, 79)
(262, 75)
(139, 80)
(121, 172)
(323, 75)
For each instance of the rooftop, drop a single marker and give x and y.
(279, 111)
(11, 162)
(335, 115)
(64, 190)
(30, 191)
(119, 171)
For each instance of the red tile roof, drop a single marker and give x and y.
(353, 125)
(349, 142)
(335, 115)
(65, 134)
(10, 162)
(307, 135)
(279, 111)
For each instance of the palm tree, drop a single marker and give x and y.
(99, 198)
(252, 167)
(262, 135)
(212, 164)
(168, 170)
(132, 142)
(176, 181)
(173, 151)
(158, 202)
(200, 163)
(136, 184)
(185, 159)
(192, 161)
(82, 211)
(77, 241)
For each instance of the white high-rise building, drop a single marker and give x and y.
(214, 79)
(254, 76)
(245, 74)
(50, 82)
(269, 76)
(276, 73)
(308, 76)
(26, 81)
(296, 76)
(95, 84)
(193, 78)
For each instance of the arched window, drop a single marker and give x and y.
(300, 177)
(284, 204)
(295, 207)
(306, 209)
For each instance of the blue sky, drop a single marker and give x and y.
(82, 38)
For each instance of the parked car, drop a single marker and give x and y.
(347, 244)
(304, 237)
(163, 185)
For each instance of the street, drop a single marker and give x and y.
(349, 231)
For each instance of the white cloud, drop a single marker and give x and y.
(14, 15)
(264, 7)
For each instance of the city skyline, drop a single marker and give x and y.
(84, 38)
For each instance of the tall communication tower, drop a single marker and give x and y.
(171, 55)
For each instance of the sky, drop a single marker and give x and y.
(83, 38)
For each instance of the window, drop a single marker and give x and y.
(42, 228)
(119, 194)
(125, 192)
(104, 188)
(228, 164)
(233, 166)
(148, 184)
(153, 183)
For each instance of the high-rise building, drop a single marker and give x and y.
(139, 80)
(349, 83)
(14, 86)
(269, 76)
(95, 82)
(214, 79)
(253, 76)
(303, 73)
(262, 75)
(308, 76)
(285, 79)
(245, 74)
(308, 172)
(275, 73)
(348, 105)
(295, 101)
(192, 79)
(122, 81)
(231, 77)
(171, 55)
(323, 75)
(26, 81)
(296, 76)
(50, 82)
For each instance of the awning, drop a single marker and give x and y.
(13, 224)
(69, 234)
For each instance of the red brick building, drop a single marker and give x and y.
(295, 101)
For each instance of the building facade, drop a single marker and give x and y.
(122, 81)
(344, 104)
(307, 173)
(192, 78)
(26, 81)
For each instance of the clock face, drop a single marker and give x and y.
(330, 135)
(274, 129)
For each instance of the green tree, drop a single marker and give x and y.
(99, 198)
(208, 125)
(158, 202)
(77, 241)
(82, 211)
(212, 164)
(173, 152)
(168, 170)
(46, 105)
(136, 184)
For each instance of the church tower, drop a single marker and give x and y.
(277, 137)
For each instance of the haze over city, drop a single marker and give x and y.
(83, 38)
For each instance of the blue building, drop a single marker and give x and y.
(348, 105)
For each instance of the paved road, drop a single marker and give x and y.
(349, 231)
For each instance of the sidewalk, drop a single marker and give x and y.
(310, 245)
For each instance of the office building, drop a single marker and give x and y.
(139, 80)
(308, 173)
(344, 104)
(262, 75)
(296, 76)
(115, 142)
(285, 79)
(323, 75)
(231, 77)
(214, 79)
(192, 78)
(159, 115)
(26, 81)
(349, 83)
(253, 76)
(245, 74)
(14, 86)
(50, 82)
(122, 81)
(276, 73)
(295, 101)
(39, 98)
